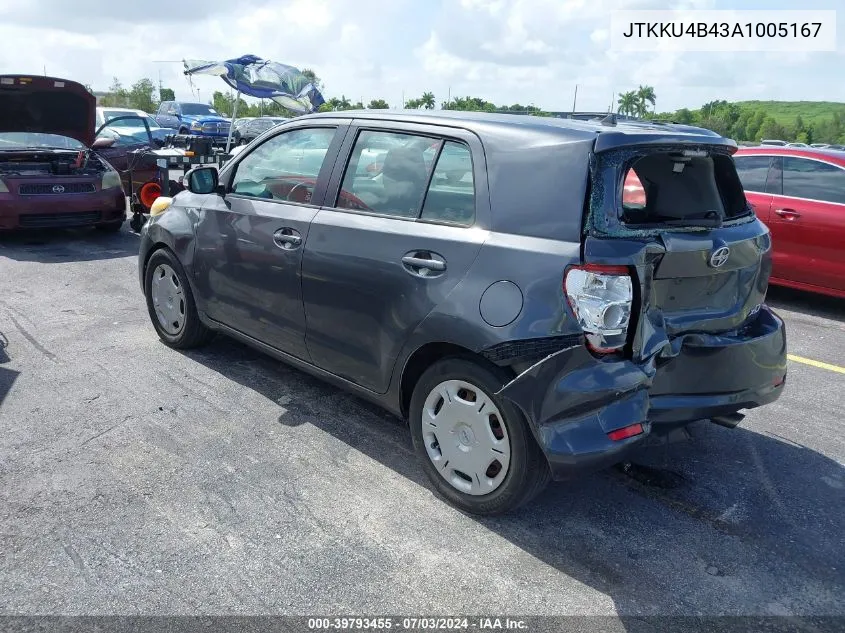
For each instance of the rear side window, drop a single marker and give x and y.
(813, 180)
(682, 189)
(409, 176)
(753, 171)
(451, 195)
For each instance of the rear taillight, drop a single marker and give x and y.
(601, 298)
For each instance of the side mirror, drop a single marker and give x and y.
(103, 142)
(202, 180)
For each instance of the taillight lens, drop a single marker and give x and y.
(601, 298)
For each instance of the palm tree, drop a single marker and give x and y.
(627, 102)
(644, 96)
(427, 100)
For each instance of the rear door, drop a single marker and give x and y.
(813, 208)
(249, 243)
(392, 241)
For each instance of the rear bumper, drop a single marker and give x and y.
(572, 399)
(47, 211)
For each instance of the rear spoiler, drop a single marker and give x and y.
(673, 135)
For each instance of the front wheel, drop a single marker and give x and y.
(170, 303)
(476, 448)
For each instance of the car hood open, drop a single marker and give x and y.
(47, 105)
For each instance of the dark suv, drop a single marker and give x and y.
(528, 316)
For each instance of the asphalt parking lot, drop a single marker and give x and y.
(137, 479)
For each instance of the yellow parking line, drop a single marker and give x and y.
(816, 363)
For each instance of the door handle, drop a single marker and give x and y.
(423, 263)
(287, 239)
(420, 262)
(789, 214)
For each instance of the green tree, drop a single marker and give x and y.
(142, 95)
(627, 103)
(313, 78)
(427, 100)
(378, 104)
(771, 129)
(117, 95)
(752, 130)
(684, 116)
(334, 104)
(645, 96)
(469, 104)
(166, 94)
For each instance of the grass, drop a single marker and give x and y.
(785, 112)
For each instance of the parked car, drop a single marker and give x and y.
(52, 171)
(254, 128)
(524, 320)
(240, 124)
(131, 130)
(773, 142)
(800, 195)
(199, 119)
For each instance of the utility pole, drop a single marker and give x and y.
(165, 61)
(575, 99)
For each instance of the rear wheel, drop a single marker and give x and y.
(183, 130)
(476, 448)
(171, 304)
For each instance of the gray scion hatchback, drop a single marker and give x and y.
(536, 296)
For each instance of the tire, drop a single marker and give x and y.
(183, 130)
(110, 227)
(192, 332)
(527, 472)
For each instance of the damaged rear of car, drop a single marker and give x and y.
(669, 297)
(50, 173)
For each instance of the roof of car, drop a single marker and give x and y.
(835, 156)
(484, 123)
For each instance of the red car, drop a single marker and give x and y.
(799, 193)
(51, 174)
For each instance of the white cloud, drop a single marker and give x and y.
(505, 51)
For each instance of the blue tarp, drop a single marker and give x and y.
(263, 79)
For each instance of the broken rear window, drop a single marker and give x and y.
(681, 188)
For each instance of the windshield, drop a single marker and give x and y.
(198, 108)
(26, 140)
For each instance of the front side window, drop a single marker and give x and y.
(753, 171)
(284, 167)
(813, 180)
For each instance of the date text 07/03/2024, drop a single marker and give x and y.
(417, 623)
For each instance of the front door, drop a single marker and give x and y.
(404, 223)
(250, 241)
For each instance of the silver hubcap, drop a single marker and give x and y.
(465, 437)
(168, 299)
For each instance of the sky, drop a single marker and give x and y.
(504, 51)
